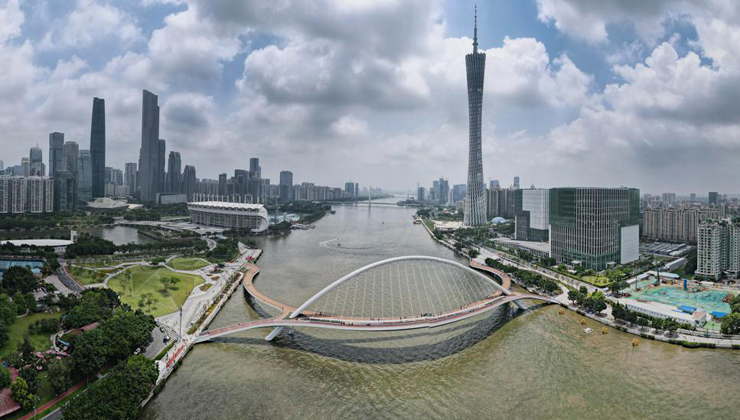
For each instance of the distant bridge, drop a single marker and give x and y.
(402, 293)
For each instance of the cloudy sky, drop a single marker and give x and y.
(577, 92)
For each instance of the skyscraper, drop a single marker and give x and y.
(475, 200)
(189, 181)
(286, 186)
(84, 176)
(97, 147)
(71, 150)
(161, 166)
(174, 173)
(254, 166)
(56, 153)
(713, 198)
(37, 161)
(516, 182)
(222, 184)
(129, 177)
(149, 153)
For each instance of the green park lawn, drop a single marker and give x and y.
(87, 277)
(40, 342)
(599, 281)
(145, 280)
(187, 264)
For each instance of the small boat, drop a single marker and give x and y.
(588, 330)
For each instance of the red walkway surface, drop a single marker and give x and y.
(54, 401)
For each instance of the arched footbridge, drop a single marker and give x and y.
(402, 293)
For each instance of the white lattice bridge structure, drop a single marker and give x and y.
(401, 293)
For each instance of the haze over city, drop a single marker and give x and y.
(623, 93)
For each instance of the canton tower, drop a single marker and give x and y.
(475, 200)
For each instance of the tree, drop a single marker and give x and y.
(26, 349)
(617, 286)
(4, 378)
(89, 354)
(30, 301)
(583, 290)
(31, 376)
(20, 303)
(19, 279)
(472, 252)
(20, 394)
(731, 324)
(60, 375)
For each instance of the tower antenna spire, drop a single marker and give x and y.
(475, 32)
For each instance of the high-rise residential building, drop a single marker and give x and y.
(116, 176)
(500, 202)
(71, 151)
(532, 215)
(516, 182)
(189, 181)
(713, 198)
(37, 167)
(97, 147)
(40, 194)
(692, 197)
(84, 176)
(18, 194)
(475, 201)
(129, 177)
(594, 227)
(443, 191)
(718, 248)
(65, 192)
(420, 194)
(254, 167)
(4, 194)
(222, 178)
(669, 198)
(149, 159)
(174, 173)
(675, 224)
(459, 191)
(56, 153)
(495, 184)
(2, 166)
(286, 186)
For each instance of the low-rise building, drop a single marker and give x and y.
(663, 311)
(229, 215)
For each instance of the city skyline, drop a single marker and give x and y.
(565, 104)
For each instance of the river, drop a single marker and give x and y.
(501, 365)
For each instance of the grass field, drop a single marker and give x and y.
(187, 264)
(145, 280)
(87, 277)
(599, 281)
(107, 263)
(39, 342)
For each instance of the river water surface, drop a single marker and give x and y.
(500, 365)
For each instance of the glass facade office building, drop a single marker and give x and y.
(595, 227)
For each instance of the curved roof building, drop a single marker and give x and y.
(229, 215)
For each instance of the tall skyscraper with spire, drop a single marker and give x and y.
(97, 147)
(151, 167)
(475, 200)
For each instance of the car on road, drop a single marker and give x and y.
(138, 350)
(161, 329)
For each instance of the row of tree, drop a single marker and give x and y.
(87, 245)
(731, 323)
(594, 302)
(527, 277)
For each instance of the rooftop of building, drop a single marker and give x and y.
(39, 242)
(107, 203)
(664, 309)
(537, 246)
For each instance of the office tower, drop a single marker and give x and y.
(25, 167)
(65, 192)
(718, 248)
(149, 161)
(444, 191)
(56, 153)
(222, 184)
(71, 151)
(37, 162)
(692, 197)
(678, 224)
(174, 173)
(254, 187)
(351, 189)
(240, 181)
(459, 191)
(189, 182)
(434, 191)
(129, 177)
(97, 147)
(254, 167)
(2, 166)
(420, 194)
(286, 186)
(595, 227)
(84, 176)
(475, 201)
(494, 184)
(532, 215)
(161, 164)
(713, 198)
(516, 182)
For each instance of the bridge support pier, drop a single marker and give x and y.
(520, 305)
(273, 334)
